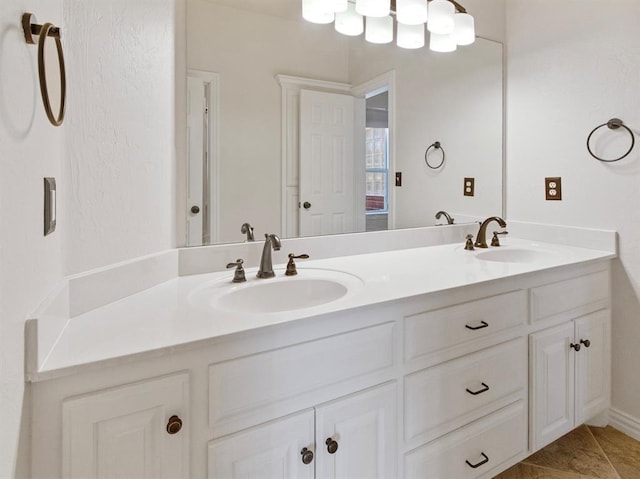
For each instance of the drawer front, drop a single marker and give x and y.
(570, 298)
(488, 445)
(253, 389)
(436, 331)
(441, 398)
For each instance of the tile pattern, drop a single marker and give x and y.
(584, 453)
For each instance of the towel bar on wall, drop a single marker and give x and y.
(612, 124)
(31, 30)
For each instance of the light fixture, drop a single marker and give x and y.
(410, 36)
(447, 21)
(441, 14)
(315, 11)
(349, 22)
(464, 32)
(379, 29)
(442, 43)
(411, 12)
(373, 8)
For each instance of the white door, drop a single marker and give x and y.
(278, 450)
(553, 370)
(327, 171)
(593, 365)
(122, 433)
(356, 436)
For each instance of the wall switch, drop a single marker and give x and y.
(398, 178)
(49, 205)
(553, 188)
(469, 186)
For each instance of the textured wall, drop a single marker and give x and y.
(572, 65)
(30, 264)
(120, 158)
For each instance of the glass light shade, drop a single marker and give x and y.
(410, 36)
(442, 43)
(350, 22)
(315, 11)
(379, 29)
(441, 13)
(464, 32)
(411, 12)
(338, 5)
(373, 8)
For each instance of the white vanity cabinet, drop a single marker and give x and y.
(347, 438)
(133, 431)
(570, 372)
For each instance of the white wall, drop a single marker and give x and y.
(573, 65)
(248, 50)
(30, 264)
(120, 158)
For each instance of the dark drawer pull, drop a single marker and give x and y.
(475, 466)
(484, 389)
(483, 324)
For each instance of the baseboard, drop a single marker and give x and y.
(625, 423)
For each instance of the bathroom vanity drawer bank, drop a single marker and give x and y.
(163, 381)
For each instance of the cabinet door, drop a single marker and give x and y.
(552, 388)
(592, 365)
(272, 451)
(364, 428)
(121, 432)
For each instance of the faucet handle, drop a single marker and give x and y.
(469, 244)
(291, 265)
(238, 275)
(495, 241)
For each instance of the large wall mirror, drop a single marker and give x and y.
(298, 130)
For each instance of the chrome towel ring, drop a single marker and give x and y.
(437, 146)
(43, 31)
(612, 124)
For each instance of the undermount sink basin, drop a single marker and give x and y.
(311, 287)
(516, 255)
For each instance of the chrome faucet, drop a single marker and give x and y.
(266, 264)
(446, 215)
(247, 229)
(481, 238)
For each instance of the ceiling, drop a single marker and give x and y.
(290, 9)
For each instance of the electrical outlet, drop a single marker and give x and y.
(49, 205)
(398, 178)
(553, 188)
(469, 186)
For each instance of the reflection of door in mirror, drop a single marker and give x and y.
(377, 161)
(202, 158)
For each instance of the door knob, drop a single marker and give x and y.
(586, 342)
(575, 346)
(307, 456)
(332, 446)
(174, 425)
(306, 205)
(195, 209)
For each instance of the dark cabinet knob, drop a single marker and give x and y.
(306, 205)
(586, 342)
(575, 346)
(332, 446)
(195, 209)
(174, 425)
(307, 456)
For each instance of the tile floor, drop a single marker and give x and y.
(585, 453)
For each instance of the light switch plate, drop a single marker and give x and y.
(553, 188)
(469, 186)
(49, 205)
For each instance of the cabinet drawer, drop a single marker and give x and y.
(570, 298)
(252, 389)
(455, 393)
(459, 326)
(488, 444)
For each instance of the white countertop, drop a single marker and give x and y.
(163, 317)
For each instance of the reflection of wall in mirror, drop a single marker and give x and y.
(249, 49)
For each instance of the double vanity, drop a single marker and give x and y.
(420, 362)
